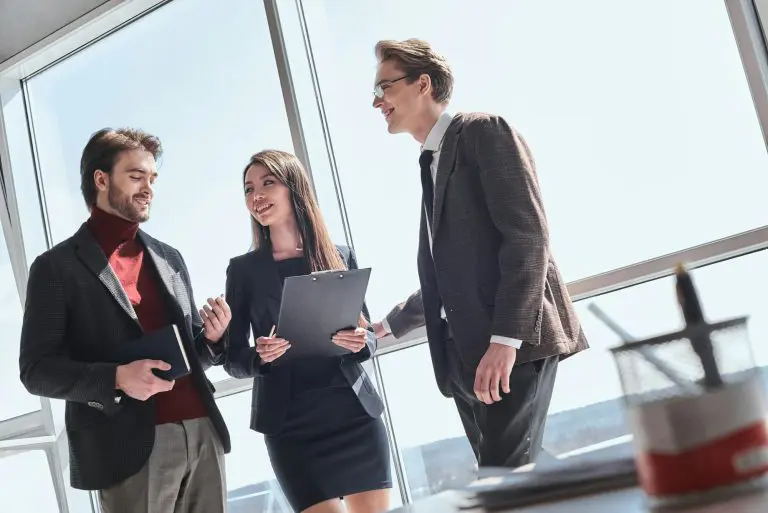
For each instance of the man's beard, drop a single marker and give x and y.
(123, 204)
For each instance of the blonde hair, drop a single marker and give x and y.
(416, 57)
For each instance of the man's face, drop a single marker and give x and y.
(127, 192)
(399, 101)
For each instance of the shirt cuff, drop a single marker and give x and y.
(214, 348)
(385, 325)
(506, 341)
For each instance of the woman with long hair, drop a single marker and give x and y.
(320, 416)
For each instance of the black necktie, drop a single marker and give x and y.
(427, 186)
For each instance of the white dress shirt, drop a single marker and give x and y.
(434, 143)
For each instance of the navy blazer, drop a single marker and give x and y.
(254, 293)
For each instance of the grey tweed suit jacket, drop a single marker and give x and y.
(493, 269)
(76, 314)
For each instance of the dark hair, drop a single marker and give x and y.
(102, 151)
(415, 58)
(318, 246)
(288, 170)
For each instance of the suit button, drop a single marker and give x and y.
(96, 404)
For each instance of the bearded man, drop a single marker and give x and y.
(148, 445)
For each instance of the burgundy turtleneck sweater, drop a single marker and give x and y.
(117, 238)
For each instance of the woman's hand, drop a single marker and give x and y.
(354, 340)
(271, 348)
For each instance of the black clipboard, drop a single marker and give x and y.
(317, 305)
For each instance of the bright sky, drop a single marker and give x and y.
(638, 116)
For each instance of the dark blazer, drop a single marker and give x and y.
(76, 313)
(493, 269)
(254, 293)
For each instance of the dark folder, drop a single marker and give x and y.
(164, 344)
(316, 306)
(571, 477)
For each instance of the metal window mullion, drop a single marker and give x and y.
(401, 472)
(747, 25)
(32, 137)
(287, 87)
(309, 53)
(9, 216)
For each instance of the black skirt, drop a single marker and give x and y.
(328, 446)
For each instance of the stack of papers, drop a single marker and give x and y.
(565, 480)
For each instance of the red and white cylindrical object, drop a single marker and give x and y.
(694, 444)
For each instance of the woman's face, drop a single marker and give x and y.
(267, 199)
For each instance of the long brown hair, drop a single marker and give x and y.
(319, 250)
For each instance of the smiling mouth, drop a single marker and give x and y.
(387, 113)
(262, 209)
(144, 202)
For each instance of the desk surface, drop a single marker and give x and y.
(629, 500)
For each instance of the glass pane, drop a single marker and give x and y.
(16, 401)
(311, 122)
(395, 498)
(618, 130)
(26, 484)
(79, 501)
(435, 452)
(24, 181)
(250, 480)
(213, 101)
(586, 407)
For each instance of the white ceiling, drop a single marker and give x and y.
(25, 22)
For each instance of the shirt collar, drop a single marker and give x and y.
(110, 230)
(435, 138)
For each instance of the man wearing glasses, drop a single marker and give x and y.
(497, 312)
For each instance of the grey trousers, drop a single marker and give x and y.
(184, 474)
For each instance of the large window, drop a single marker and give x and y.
(586, 406)
(250, 480)
(436, 454)
(203, 79)
(640, 117)
(15, 399)
(24, 179)
(26, 482)
(644, 145)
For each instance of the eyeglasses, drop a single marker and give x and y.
(378, 89)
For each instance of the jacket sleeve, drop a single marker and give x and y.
(46, 368)
(371, 342)
(512, 195)
(242, 360)
(407, 316)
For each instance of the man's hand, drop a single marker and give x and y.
(354, 340)
(493, 371)
(379, 330)
(138, 381)
(216, 316)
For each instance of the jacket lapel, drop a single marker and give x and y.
(93, 257)
(444, 169)
(164, 270)
(273, 287)
(158, 257)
